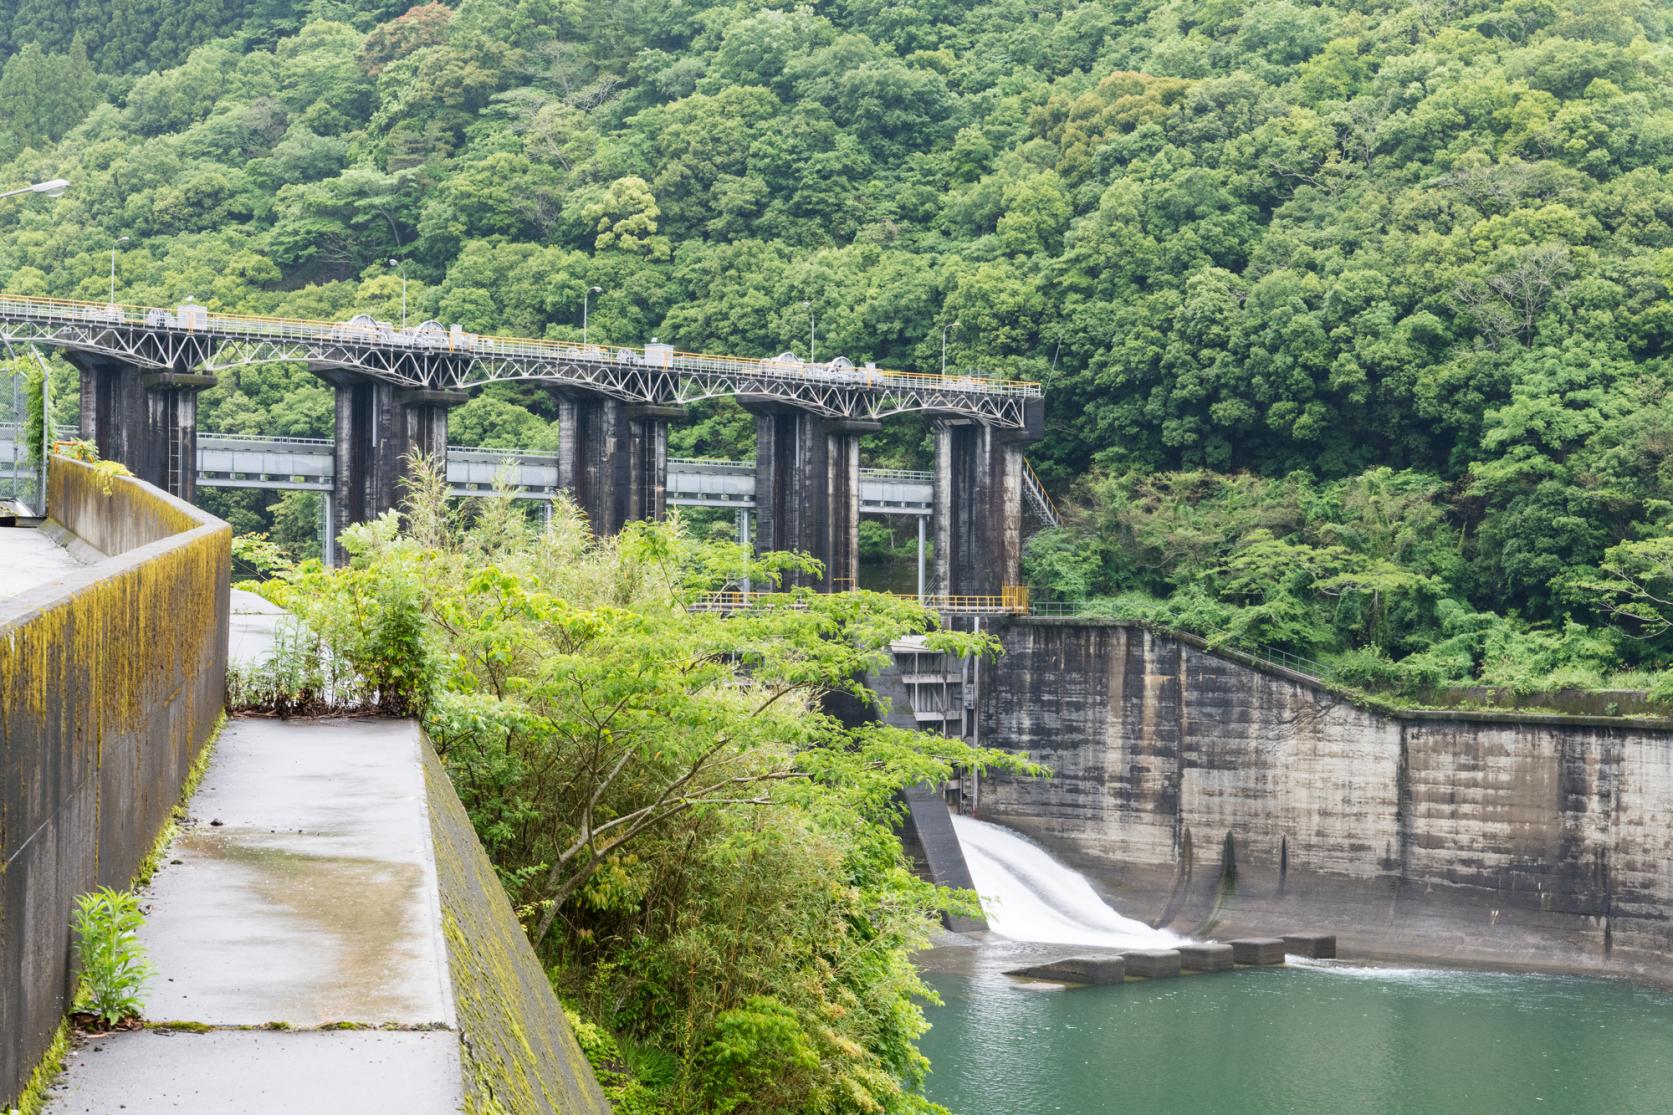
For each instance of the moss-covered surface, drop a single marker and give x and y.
(112, 680)
(33, 1099)
(520, 1057)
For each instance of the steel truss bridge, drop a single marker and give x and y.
(190, 338)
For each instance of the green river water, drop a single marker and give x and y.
(1335, 1038)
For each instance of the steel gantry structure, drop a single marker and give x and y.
(141, 369)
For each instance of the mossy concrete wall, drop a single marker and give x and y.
(520, 1057)
(111, 681)
(1222, 797)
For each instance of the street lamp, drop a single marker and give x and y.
(586, 294)
(400, 266)
(114, 245)
(950, 325)
(53, 187)
(812, 357)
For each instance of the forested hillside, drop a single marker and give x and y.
(1301, 241)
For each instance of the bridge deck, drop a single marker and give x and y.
(190, 337)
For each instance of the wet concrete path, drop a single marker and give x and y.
(29, 557)
(297, 917)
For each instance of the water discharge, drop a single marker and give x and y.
(1029, 896)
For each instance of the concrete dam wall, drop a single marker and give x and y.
(1221, 797)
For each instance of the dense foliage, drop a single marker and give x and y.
(1275, 236)
(705, 855)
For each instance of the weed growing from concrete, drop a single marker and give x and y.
(114, 969)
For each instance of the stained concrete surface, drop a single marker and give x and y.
(253, 625)
(305, 888)
(28, 558)
(258, 1072)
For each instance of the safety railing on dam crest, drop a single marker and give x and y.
(112, 679)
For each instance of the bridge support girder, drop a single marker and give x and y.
(379, 426)
(978, 508)
(145, 419)
(613, 458)
(807, 490)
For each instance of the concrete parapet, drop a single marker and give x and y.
(1315, 946)
(1093, 971)
(1153, 963)
(1258, 951)
(112, 679)
(1208, 957)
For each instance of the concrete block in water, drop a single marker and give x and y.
(1152, 963)
(1318, 946)
(1205, 958)
(1258, 950)
(1094, 971)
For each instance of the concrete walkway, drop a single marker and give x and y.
(300, 900)
(29, 557)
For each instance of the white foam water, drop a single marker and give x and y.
(1029, 896)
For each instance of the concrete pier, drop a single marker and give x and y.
(1314, 946)
(1208, 957)
(613, 457)
(378, 427)
(1092, 971)
(1258, 951)
(1152, 963)
(145, 419)
(978, 507)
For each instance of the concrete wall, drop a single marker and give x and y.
(520, 1057)
(111, 680)
(1219, 796)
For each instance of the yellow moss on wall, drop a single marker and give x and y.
(126, 657)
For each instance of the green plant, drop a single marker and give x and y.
(114, 970)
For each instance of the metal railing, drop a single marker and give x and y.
(1036, 493)
(1012, 600)
(200, 321)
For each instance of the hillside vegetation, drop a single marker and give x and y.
(1301, 241)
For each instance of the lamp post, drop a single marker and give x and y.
(400, 266)
(52, 187)
(118, 242)
(950, 325)
(585, 295)
(812, 358)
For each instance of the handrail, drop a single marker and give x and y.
(255, 327)
(1011, 600)
(1037, 491)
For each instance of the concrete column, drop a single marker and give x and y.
(378, 427)
(594, 453)
(842, 506)
(647, 457)
(978, 508)
(807, 490)
(146, 420)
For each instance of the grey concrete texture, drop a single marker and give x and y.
(1258, 951)
(1314, 946)
(1152, 963)
(112, 678)
(1207, 957)
(244, 1072)
(30, 557)
(1092, 971)
(1216, 796)
(303, 890)
(520, 1056)
(252, 628)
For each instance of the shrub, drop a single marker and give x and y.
(114, 970)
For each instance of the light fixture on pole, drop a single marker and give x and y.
(950, 325)
(118, 242)
(52, 187)
(812, 356)
(400, 266)
(585, 295)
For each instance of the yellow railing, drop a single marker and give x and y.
(1012, 600)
